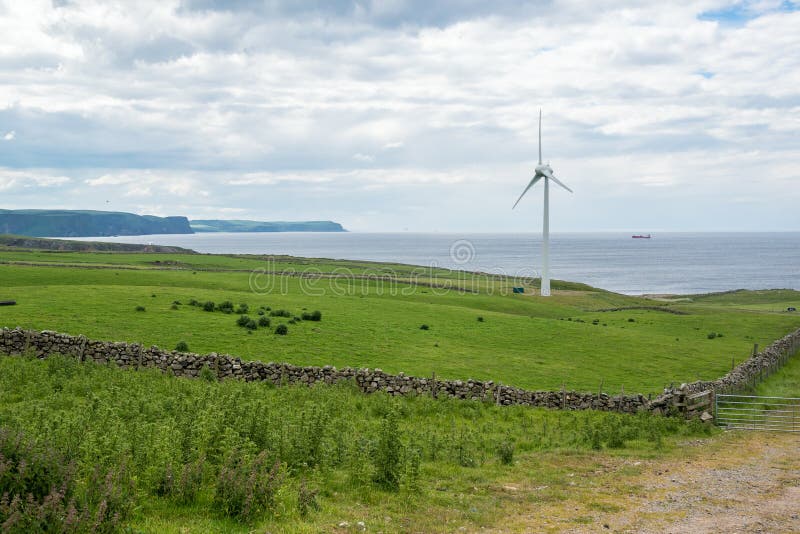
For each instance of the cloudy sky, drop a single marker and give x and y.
(393, 115)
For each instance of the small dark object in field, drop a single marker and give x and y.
(261, 312)
(243, 308)
(153, 295)
(225, 307)
(194, 302)
(139, 308)
(631, 320)
(8, 302)
(791, 308)
(480, 319)
(174, 307)
(292, 321)
(280, 313)
(242, 320)
(712, 335)
(263, 321)
(176, 302)
(208, 306)
(424, 327)
(182, 346)
(282, 330)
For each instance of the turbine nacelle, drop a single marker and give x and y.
(544, 169)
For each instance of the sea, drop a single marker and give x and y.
(667, 263)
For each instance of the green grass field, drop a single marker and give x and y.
(523, 340)
(154, 453)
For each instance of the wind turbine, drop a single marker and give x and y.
(546, 172)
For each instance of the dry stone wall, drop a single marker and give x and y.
(135, 356)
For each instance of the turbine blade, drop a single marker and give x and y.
(540, 136)
(531, 184)
(556, 180)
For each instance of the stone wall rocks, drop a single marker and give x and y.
(186, 364)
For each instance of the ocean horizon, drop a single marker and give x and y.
(668, 263)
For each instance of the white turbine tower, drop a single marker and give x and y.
(544, 171)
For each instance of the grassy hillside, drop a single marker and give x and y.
(80, 223)
(487, 333)
(179, 455)
(216, 225)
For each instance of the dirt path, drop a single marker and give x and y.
(748, 482)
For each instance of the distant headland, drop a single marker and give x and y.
(89, 223)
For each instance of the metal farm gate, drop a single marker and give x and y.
(749, 412)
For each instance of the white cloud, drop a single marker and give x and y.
(10, 136)
(366, 158)
(199, 107)
(13, 179)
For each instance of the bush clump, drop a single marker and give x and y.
(712, 335)
(246, 488)
(208, 306)
(505, 451)
(246, 322)
(480, 318)
(280, 313)
(243, 308)
(39, 492)
(424, 327)
(263, 321)
(225, 307)
(387, 458)
(140, 308)
(281, 329)
(316, 315)
(182, 346)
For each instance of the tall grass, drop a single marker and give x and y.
(242, 449)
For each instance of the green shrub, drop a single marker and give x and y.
(225, 307)
(313, 316)
(251, 325)
(712, 335)
(387, 459)
(243, 308)
(263, 321)
(281, 329)
(185, 485)
(182, 346)
(261, 312)
(505, 451)
(207, 374)
(480, 319)
(242, 320)
(174, 307)
(194, 302)
(424, 327)
(140, 308)
(176, 302)
(280, 313)
(306, 499)
(39, 492)
(208, 306)
(631, 320)
(246, 488)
